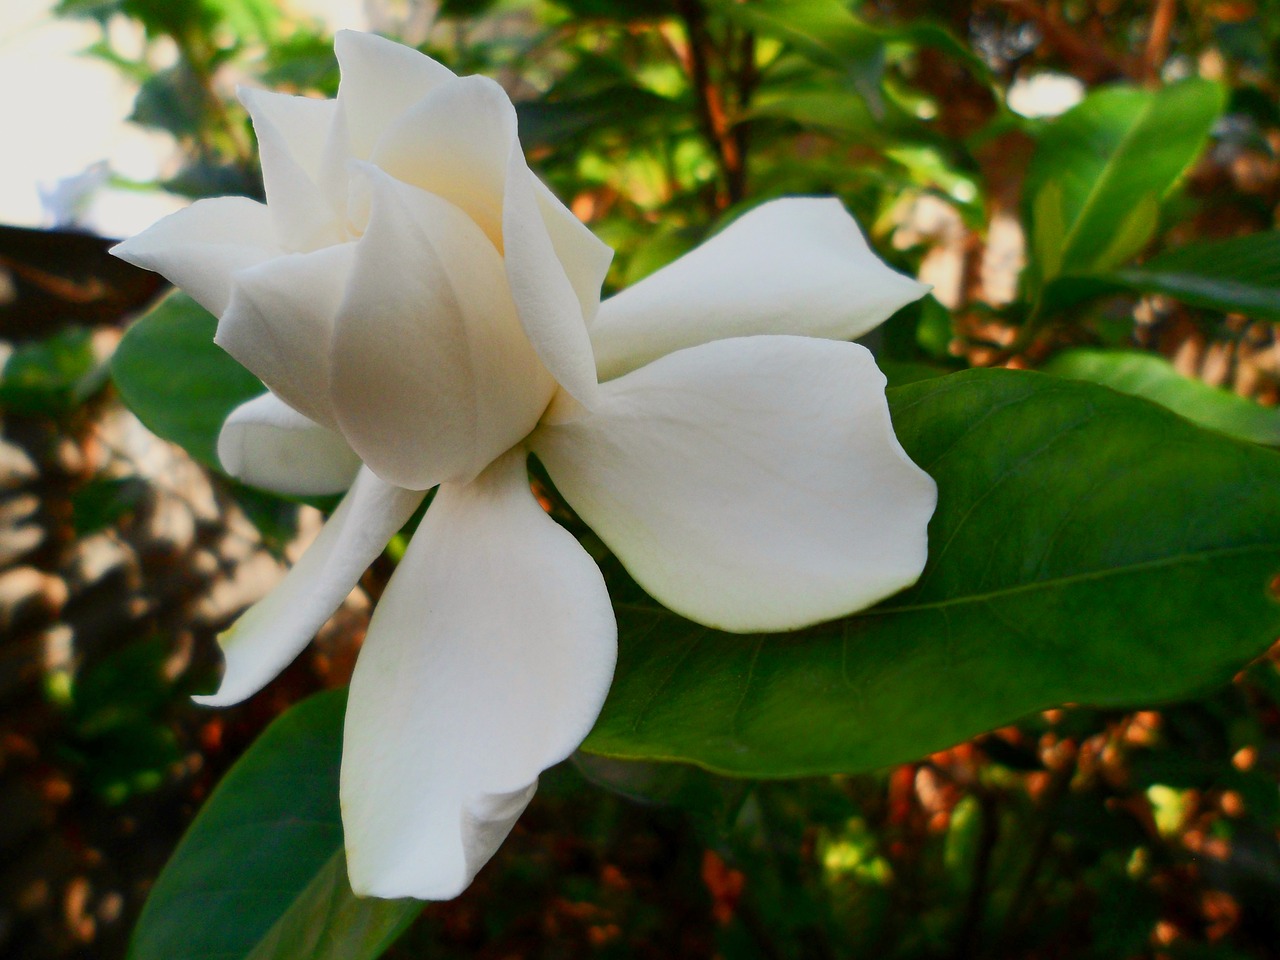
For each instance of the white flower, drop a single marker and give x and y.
(425, 312)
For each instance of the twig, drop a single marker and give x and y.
(976, 901)
(711, 107)
(1087, 59)
(1024, 888)
(1157, 48)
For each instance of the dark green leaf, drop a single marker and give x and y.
(1239, 275)
(557, 122)
(677, 785)
(100, 503)
(173, 100)
(621, 10)
(52, 376)
(1153, 377)
(899, 373)
(821, 106)
(462, 9)
(825, 32)
(1088, 547)
(117, 737)
(178, 382)
(934, 331)
(98, 9)
(1101, 170)
(260, 875)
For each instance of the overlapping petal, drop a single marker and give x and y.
(487, 661)
(455, 142)
(292, 133)
(585, 256)
(201, 247)
(273, 631)
(548, 303)
(279, 324)
(432, 376)
(555, 264)
(794, 266)
(751, 484)
(380, 80)
(268, 444)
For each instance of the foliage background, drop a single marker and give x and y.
(1078, 832)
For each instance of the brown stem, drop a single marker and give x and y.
(1157, 49)
(711, 107)
(1087, 59)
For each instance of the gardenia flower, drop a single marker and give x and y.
(425, 313)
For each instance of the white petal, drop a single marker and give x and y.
(585, 256)
(750, 484)
(380, 80)
(273, 631)
(797, 266)
(200, 247)
(266, 443)
(433, 377)
(279, 324)
(487, 661)
(545, 297)
(455, 142)
(292, 133)
(459, 142)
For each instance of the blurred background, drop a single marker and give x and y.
(1075, 833)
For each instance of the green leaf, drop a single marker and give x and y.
(559, 122)
(1239, 275)
(823, 31)
(178, 382)
(52, 376)
(821, 106)
(260, 875)
(1154, 378)
(828, 33)
(935, 329)
(622, 11)
(1101, 170)
(103, 501)
(1088, 547)
(899, 373)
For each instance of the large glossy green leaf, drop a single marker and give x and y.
(1088, 547)
(1239, 275)
(1146, 375)
(1100, 171)
(829, 33)
(825, 32)
(260, 874)
(177, 381)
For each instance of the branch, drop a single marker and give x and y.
(1157, 49)
(1086, 58)
(711, 108)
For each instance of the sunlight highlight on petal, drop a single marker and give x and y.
(750, 484)
(487, 661)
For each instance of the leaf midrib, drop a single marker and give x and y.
(1104, 181)
(1087, 576)
(1047, 584)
